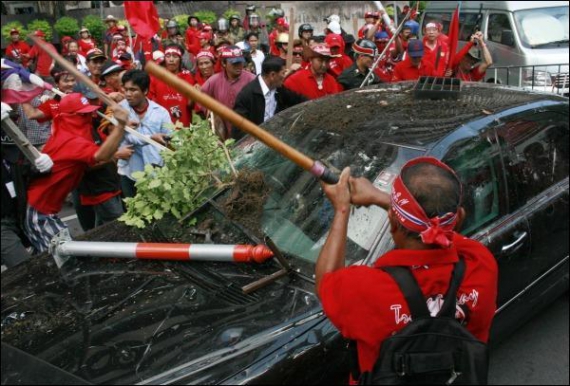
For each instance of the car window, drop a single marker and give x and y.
(536, 153)
(477, 163)
(542, 26)
(500, 29)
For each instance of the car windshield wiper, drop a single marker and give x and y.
(562, 41)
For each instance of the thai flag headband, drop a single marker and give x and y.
(437, 230)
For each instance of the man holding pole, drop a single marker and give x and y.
(72, 150)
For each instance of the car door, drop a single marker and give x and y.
(478, 163)
(535, 148)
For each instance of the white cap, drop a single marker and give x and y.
(334, 26)
(335, 18)
(158, 56)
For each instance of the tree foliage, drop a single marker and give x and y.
(229, 12)
(67, 26)
(182, 21)
(42, 25)
(185, 180)
(207, 17)
(13, 24)
(95, 26)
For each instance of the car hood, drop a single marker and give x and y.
(123, 322)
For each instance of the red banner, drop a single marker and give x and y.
(453, 35)
(142, 17)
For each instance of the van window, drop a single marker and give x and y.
(535, 147)
(467, 22)
(477, 163)
(500, 30)
(543, 26)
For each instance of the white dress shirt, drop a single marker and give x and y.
(270, 102)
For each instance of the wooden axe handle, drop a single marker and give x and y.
(314, 167)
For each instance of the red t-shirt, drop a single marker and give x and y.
(50, 108)
(273, 50)
(366, 305)
(71, 156)
(16, 52)
(404, 70)
(167, 96)
(431, 56)
(86, 45)
(338, 65)
(192, 41)
(303, 82)
(44, 61)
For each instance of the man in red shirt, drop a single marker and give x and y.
(281, 26)
(18, 50)
(415, 64)
(340, 61)
(370, 18)
(192, 38)
(365, 303)
(436, 48)
(467, 64)
(178, 106)
(109, 33)
(86, 42)
(314, 82)
(44, 62)
(72, 150)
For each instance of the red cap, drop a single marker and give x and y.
(14, 31)
(204, 35)
(334, 40)
(39, 33)
(76, 103)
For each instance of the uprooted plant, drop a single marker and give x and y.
(197, 166)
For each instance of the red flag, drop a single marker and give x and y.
(453, 36)
(143, 17)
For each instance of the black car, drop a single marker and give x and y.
(125, 322)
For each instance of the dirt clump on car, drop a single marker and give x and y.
(245, 201)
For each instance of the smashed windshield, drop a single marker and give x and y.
(542, 27)
(296, 213)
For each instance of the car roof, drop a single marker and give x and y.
(390, 113)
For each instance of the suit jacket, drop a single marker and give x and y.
(250, 102)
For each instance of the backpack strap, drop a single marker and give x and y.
(410, 289)
(450, 300)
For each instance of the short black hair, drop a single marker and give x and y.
(436, 190)
(138, 77)
(272, 64)
(246, 37)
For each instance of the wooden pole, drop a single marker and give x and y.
(314, 167)
(289, 61)
(355, 26)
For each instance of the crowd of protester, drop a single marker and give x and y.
(239, 62)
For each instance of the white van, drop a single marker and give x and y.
(528, 40)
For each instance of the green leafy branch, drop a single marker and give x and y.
(190, 173)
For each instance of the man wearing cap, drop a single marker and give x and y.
(18, 50)
(86, 42)
(256, 27)
(465, 65)
(436, 50)
(365, 53)
(205, 40)
(72, 150)
(178, 106)
(370, 18)
(111, 80)
(265, 96)
(236, 30)
(414, 65)
(95, 61)
(364, 302)
(315, 82)
(340, 61)
(281, 26)
(111, 23)
(43, 61)
(226, 85)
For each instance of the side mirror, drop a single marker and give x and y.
(507, 37)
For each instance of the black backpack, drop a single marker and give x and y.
(429, 350)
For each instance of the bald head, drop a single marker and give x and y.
(436, 190)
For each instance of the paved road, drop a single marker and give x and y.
(537, 354)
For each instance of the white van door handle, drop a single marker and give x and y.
(510, 246)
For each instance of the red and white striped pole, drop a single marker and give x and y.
(166, 251)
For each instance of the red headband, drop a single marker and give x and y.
(172, 50)
(436, 230)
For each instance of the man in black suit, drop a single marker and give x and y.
(265, 96)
